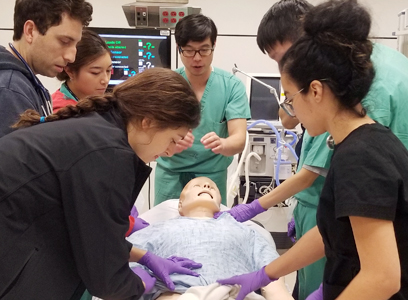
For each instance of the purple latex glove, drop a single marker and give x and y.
(148, 280)
(317, 294)
(244, 212)
(249, 282)
(292, 230)
(162, 267)
(138, 223)
(133, 212)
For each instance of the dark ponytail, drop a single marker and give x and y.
(335, 47)
(159, 94)
(90, 104)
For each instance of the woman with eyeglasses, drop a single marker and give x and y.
(208, 150)
(362, 214)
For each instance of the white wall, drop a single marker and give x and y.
(237, 22)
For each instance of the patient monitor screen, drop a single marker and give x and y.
(263, 104)
(135, 50)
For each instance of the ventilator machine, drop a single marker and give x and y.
(269, 156)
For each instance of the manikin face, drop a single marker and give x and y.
(48, 54)
(278, 50)
(91, 79)
(200, 192)
(197, 65)
(149, 143)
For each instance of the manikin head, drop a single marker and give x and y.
(200, 198)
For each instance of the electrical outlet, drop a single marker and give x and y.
(141, 17)
(169, 16)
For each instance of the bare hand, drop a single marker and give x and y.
(212, 141)
(185, 143)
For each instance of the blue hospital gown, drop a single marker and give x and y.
(223, 246)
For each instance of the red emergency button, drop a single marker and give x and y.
(181, 14)
(165, 13)
(165, 20)
(173, 14)
(173, 20)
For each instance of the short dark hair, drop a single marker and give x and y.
(334, 47)
(89, 48)
(47, 13)
(196, 28)
(281, 23)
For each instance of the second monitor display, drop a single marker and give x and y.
(262, 102)
(135, 50)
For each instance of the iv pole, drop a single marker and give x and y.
(272, 90)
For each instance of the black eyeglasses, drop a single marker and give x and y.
(287, 104)
(192, 53)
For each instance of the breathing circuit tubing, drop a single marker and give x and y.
(280, 143)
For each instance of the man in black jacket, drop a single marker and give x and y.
(44, 41)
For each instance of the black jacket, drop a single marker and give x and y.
(66, 190)
(17, 91)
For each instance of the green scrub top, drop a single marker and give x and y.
(67, 93)
(224, 99)
(315, 153)
(387, 100)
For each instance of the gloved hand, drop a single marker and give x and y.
(292, 230)
(162, 267)
(135, 223)
(133, 212)
(148, 280)
(317, 294)
(244, 212)
(249, 282)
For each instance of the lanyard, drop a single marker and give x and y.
(41, 90)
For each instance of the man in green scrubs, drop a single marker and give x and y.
(208, 150)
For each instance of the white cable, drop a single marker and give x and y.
(236, 173)
(247, 172)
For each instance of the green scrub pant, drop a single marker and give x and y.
(311, 276)
(168, 185)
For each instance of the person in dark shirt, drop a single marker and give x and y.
(362, 213)
(67, 185)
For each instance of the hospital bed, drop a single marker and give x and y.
(169, 210)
